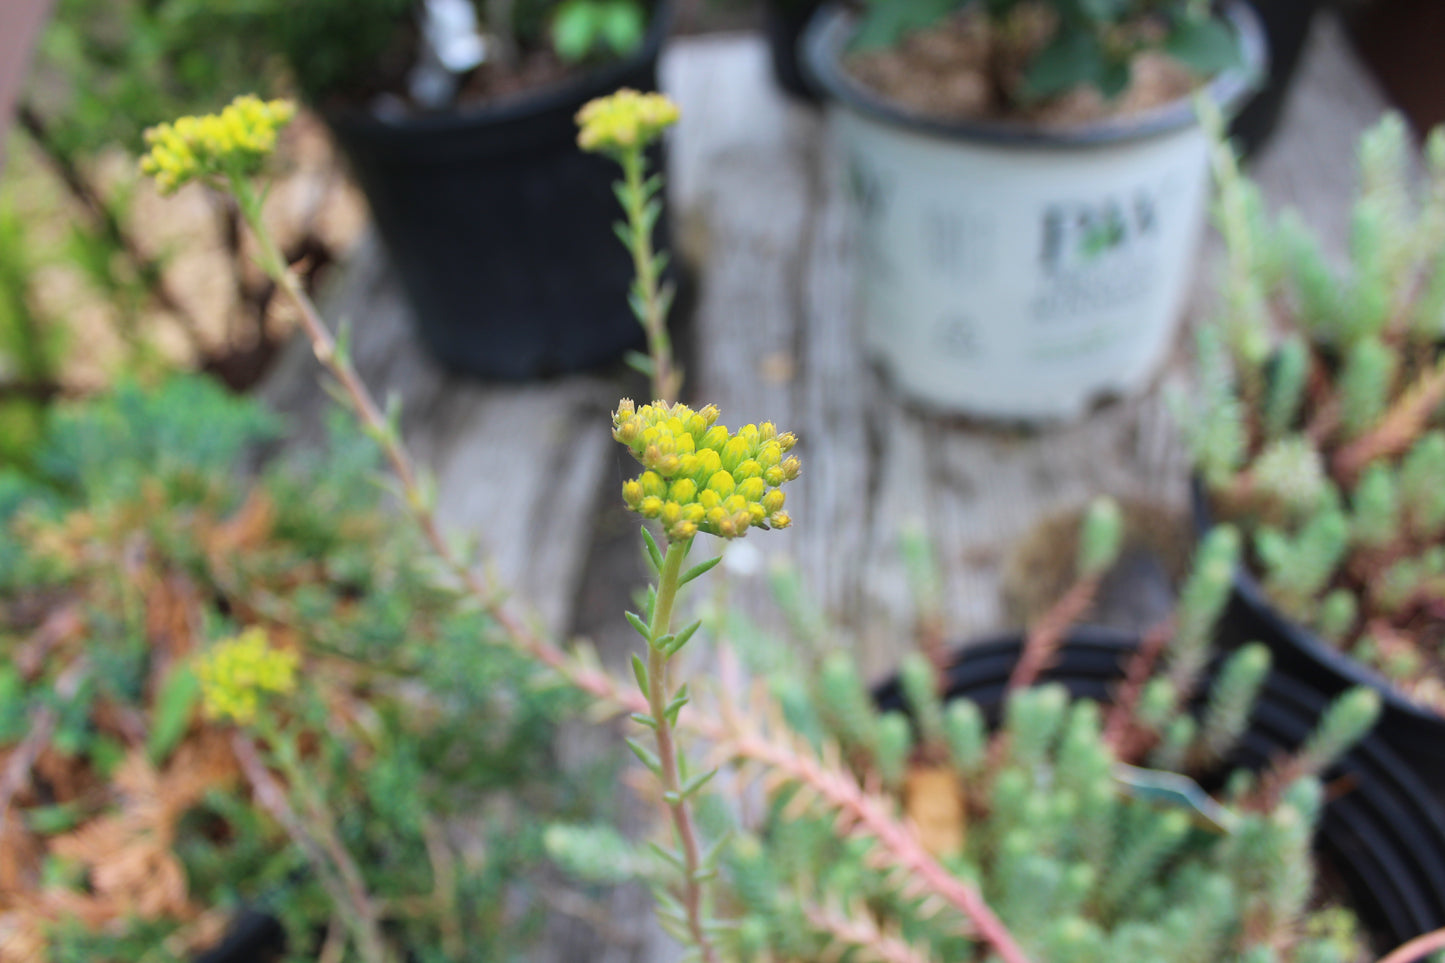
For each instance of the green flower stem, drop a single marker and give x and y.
(645, 265)
(658, 698)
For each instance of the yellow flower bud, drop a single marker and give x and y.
(787, 440)
(709, 499)
(632, 492)
(756, 513)
(709, 463)
(773, 500)
(769, 454)
(714, 438)
(709, 413)
(722, 483)
(774, 476)
(767, 431)
(652, 484)
(791, 468)
(752, 489)
(671, 513)
(735, 452)
(650, 507)
(683, 490)
(780, 520)
(748, 469)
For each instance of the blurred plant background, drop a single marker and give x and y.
(137, 539)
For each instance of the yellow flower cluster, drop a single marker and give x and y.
(234, 142)
(624, 120)
(700, 477)
(236, 671)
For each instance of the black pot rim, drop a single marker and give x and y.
(594, 83)
(828, 32)
(1350, 670)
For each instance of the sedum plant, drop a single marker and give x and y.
(222, 689)
(879, 873)
(1319, 432)
(1036, 50)
(1082, 825)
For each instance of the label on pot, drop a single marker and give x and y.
(1021, 282)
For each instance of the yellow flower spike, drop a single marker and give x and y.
(235, 672)
(624, 121)
(233, 143)
(699, 477)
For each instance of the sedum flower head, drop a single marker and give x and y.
(699, 476)
(623, 121)
(236, 671)
(235, 142)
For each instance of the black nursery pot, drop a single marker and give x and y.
(784, 22)
(1286, 26)
(1384, 836)
(253, 937)
(1415, 733)
(501, 228)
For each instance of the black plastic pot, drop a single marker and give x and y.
(501, 228)
(1384, 837)
(254, 937)
(1286, 26)
(784, 22)
(1416, 733)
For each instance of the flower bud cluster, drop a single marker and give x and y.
(235, 142)
(623, 121)
(700, 477)
(235, 672)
